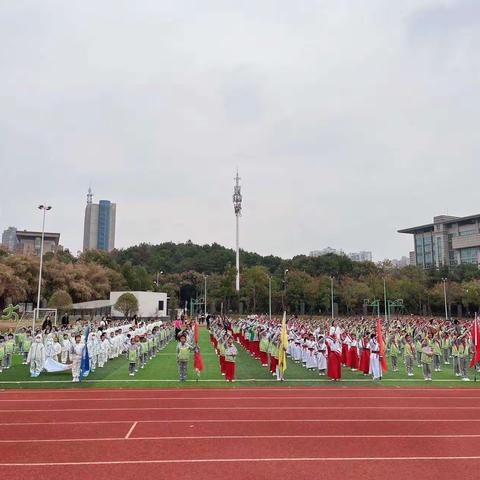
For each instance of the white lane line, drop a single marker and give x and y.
(221, 380)
(228, 437)
(286, 397)
(273, 407)
(234, 389)
(261, 420)
(241, 460)
(132, 428)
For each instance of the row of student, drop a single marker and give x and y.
(327, 347)
(49, 350)
(140, 349)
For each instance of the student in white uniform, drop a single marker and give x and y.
(375, 366)
(76, 354)
(36, 356)
(321, 356)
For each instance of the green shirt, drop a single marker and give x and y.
(409, 350)
(132, 354)
(264, 344)
(9, 346)
(426, 358)
(27, 344)
(394, 350)
(183, 352)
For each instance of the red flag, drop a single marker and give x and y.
(197, 356)
(383, 360)
(476, 343)
(197, 361)
(195, 333)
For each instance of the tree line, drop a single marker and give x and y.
(180, 271)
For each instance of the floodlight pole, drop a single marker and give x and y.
(444, 280)
(45, 209)
(237, 207)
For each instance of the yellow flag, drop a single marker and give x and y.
(282, 349)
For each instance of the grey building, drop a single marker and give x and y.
(99, 225)
(9, 238)
(26, 242)
(448, 241)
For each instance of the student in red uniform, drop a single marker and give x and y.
(365, 357)
(334, 368)
(353, 359)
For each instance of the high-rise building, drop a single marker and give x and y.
(9, 238)
(99, 226)
(448, 241)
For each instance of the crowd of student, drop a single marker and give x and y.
(326, 346)
(59, 348)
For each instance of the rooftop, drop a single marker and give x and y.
(440, 220)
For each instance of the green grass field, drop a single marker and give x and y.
(162, 372)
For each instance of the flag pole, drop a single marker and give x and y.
(476, 343)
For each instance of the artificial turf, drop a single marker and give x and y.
(162, 372)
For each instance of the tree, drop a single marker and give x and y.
(60, 300)
(127, 303)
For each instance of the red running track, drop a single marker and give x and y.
(242, 433)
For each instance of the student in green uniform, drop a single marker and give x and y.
(427, 360)
(27, 344)
(132, 354)
(144, 351)
(463, 356)
(437, 354)
(9, 348)
(264, 349)
(183, 356)
(20, 339)
(2, 352)
(408, 355)
(394, 353)
(455, 357)
(446, 345)
(418, 350)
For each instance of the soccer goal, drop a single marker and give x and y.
(42, 314)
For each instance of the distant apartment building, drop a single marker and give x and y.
(326, 251)
(447, 241)
(99, 225)
(360, 256)
(25, 242)
(402, 262)
(355, 256)
(412, 258)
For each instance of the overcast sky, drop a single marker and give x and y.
(347, 119)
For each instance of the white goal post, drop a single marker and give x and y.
(40, 314)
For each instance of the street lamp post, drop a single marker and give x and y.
(385, 298)
(270, 297)
(285, 290)
(205, 297)
(45, 209)
(444, 280)
(157, 281)
(331, 296)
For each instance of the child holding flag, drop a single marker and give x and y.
(183, 355)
